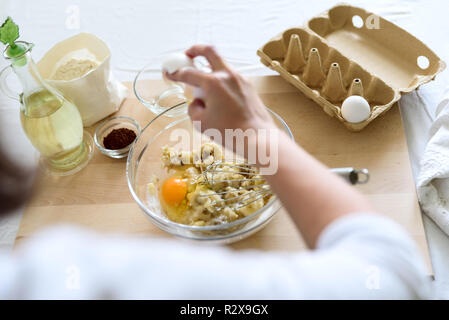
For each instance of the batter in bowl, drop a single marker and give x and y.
(187, 197)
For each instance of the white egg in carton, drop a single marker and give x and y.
(347, 52)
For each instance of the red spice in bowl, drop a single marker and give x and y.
(119, 139)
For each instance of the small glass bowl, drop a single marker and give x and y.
(170, 94)
(105, 127)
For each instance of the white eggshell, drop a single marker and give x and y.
(176, 61)
(355, 109)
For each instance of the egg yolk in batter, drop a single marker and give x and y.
(174, 190)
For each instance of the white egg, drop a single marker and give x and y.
(355, 109)
(176, 61)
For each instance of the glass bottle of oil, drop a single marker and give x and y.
(51, 122)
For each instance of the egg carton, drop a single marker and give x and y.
(348, 51)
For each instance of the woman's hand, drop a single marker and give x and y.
(229, 101)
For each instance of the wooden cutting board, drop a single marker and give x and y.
(98, 198)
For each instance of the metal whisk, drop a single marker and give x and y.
(246, 185)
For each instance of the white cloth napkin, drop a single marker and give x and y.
(433, 179)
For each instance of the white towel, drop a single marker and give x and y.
(433, 179)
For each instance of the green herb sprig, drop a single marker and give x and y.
(9, 32)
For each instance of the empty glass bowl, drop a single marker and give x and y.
(170, 94)
(144, 164)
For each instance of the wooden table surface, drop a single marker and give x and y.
(98, 197)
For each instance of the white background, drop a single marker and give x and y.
(138, 30)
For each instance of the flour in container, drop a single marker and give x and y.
(75, 65)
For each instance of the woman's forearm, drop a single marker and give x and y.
(313, 196)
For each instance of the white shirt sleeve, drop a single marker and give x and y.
(359, 256)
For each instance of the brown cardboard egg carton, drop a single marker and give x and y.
(349, 51)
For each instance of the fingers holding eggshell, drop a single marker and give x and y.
(193, 77)
(209, 52)
(176, 61)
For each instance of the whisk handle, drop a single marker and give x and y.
(353, 176)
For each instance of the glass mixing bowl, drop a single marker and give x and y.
(144, 163)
